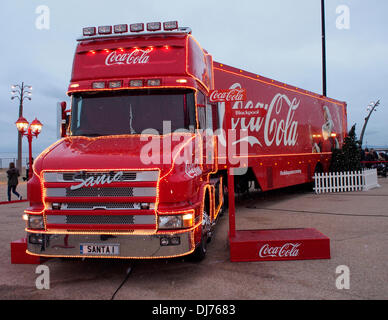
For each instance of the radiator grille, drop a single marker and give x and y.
(100, 192)
(99, 219)
(102, 189)
(103, 205)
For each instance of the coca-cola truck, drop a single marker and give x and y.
(140, 168)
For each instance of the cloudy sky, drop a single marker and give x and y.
(278, 39)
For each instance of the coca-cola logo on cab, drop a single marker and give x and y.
(284, 251)
(137, 56)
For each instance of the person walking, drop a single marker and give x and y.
(13, 180)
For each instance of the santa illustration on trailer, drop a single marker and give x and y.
(328, 128)
(329, 140)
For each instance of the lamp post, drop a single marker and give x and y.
(371, 107)
(20, 92)
(29, 130)
(324, 86)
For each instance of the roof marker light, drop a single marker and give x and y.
(115, 84)
(136, 83)
(105, 29)
(153, 82)
(170, 25)
(136, 27)
(89, 31)
(120, 28)
(154, 26)
(98, 85)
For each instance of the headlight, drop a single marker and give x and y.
(176, 221)
(35, 222)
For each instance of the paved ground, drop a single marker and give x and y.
(356, 223)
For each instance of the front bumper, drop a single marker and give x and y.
(131, 246)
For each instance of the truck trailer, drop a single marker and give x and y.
(140, 169)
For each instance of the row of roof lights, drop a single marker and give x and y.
(132, 83)
(115, 84)
(136, 27)
(151, 48)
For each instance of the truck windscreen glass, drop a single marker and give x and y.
(132, 112)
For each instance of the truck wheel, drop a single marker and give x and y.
(200, 252)
(225, 196)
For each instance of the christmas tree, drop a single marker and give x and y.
(348, 158)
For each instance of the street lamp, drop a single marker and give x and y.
(324, 85)
(371, 107)
(20, 92)
(29, 130)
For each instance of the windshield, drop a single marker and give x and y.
(132, 112)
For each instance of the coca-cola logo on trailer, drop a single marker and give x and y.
(231, 95)
(273, 121)
(138, 56)
(286, 250)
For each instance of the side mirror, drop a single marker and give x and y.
(63, 119)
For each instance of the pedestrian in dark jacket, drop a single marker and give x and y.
(13, 180)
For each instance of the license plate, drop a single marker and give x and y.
(100, 249)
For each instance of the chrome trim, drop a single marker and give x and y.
(101, 219)
(142, 176)
(101, 206)
(99, 192)
(131, 246)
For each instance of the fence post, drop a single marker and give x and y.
(318, 186)
(331, 185)
(351, 180)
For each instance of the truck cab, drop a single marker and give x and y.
(135, 173)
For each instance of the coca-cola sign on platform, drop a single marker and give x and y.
(137, 56)
(284, 251)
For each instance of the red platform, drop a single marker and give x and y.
(19, 255)
(279, 244)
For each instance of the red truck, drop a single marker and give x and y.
(140, 170)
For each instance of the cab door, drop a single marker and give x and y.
(206, 133)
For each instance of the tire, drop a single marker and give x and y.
(200, 251)
(225, 199)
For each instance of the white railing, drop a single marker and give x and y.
(4, 162)
(370, 179)
(346, 181)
